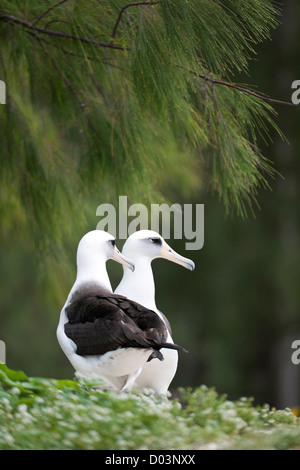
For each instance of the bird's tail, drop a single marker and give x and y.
(158, 354)
(173, 346)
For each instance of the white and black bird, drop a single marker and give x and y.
(104, 335)
(143, 247)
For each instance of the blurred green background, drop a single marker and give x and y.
(238, 312)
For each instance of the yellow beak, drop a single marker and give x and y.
(120, 258)
(171, 255)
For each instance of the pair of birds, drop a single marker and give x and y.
(120, 337)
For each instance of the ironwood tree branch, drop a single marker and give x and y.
(51, 32)
(111, 45)
(125, 7)
(239, 88)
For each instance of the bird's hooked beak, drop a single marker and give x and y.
(171, 255)
(120, 258)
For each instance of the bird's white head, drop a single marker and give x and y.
(150, 245)
(96, 247)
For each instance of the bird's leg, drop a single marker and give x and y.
(130, 380)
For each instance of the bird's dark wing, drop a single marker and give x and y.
(100, 321)
(149, 319)
(106, 334)
(86, 305)
(146, 319)
(91, 302)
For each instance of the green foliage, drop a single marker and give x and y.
(97, 95)
(38, 413)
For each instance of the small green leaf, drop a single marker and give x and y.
(12, 375)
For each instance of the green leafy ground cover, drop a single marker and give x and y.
(42, 413)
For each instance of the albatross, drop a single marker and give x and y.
(104, 335)
(142, 248)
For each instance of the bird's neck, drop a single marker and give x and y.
(139, 284)
(95, 273)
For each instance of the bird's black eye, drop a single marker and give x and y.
(113, 242)
(156, 240)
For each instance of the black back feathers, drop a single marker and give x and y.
(100, 321)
